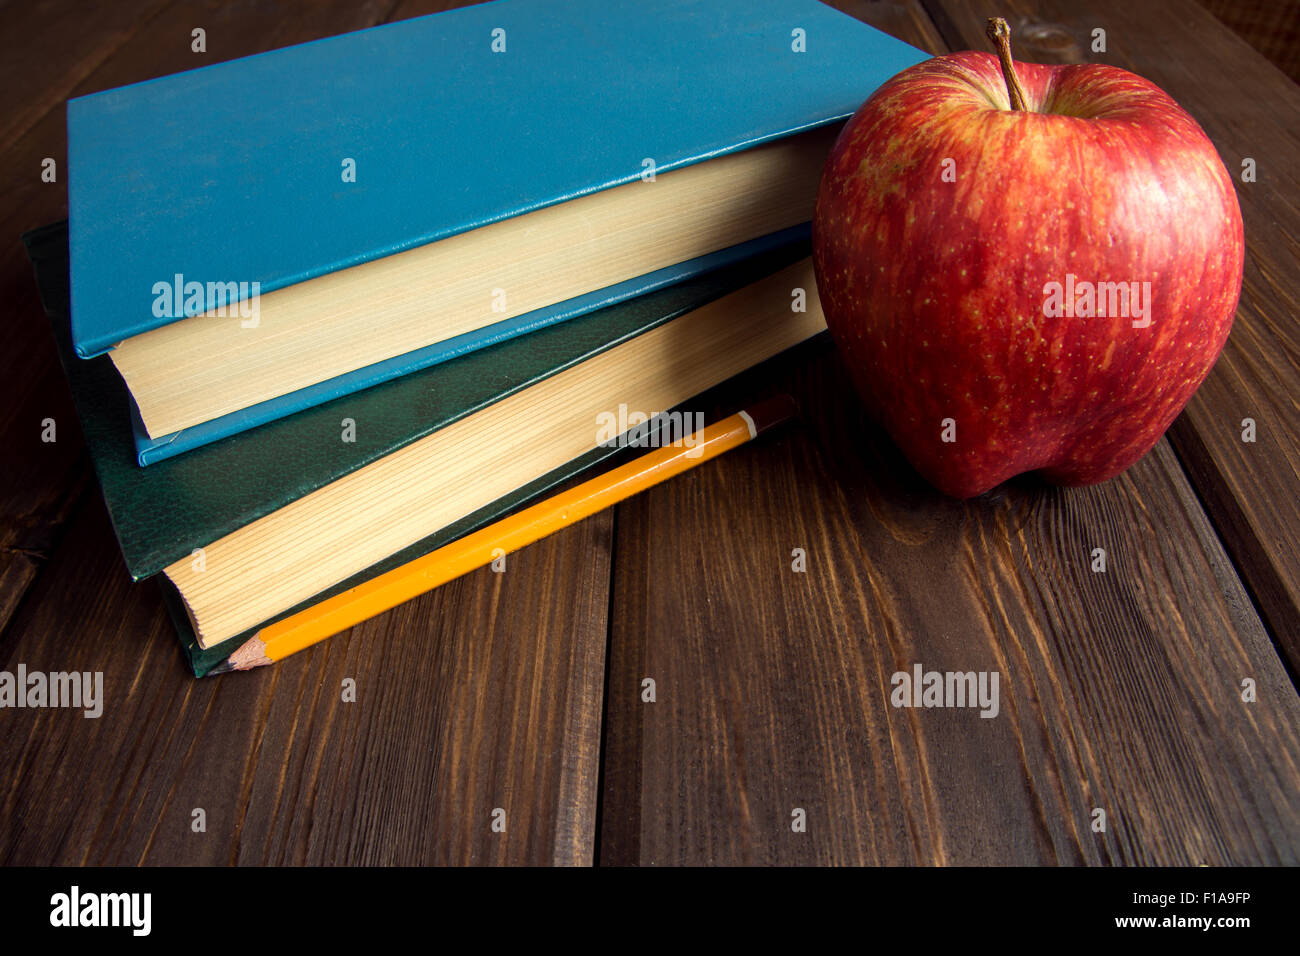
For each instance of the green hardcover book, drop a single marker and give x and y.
(252, 528)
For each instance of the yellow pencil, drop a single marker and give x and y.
(277, 641)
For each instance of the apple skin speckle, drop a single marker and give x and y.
(934, 290)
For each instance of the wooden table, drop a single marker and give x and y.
(1120, 691)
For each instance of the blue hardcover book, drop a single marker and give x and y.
(255, 236)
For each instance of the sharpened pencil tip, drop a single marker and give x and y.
(250, 654)
(222, 668)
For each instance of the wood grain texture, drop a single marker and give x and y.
(1248, 108)
(484, 694)
(41, 481)
(32, 84)
(1119, 690)
(905, 19)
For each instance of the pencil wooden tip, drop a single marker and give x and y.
(252, 653)
(771, 412)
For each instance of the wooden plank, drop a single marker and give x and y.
(905, 19)
(483, 695)
(1119, 691)
(46, 468)
(1248, 108)
(53, 46)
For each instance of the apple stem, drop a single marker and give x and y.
(1000, 33)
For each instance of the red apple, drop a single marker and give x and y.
(955, 241)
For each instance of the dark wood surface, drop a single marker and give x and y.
(522, 691)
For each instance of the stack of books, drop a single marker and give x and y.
(330, 307)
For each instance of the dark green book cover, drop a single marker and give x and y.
(162, 513)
